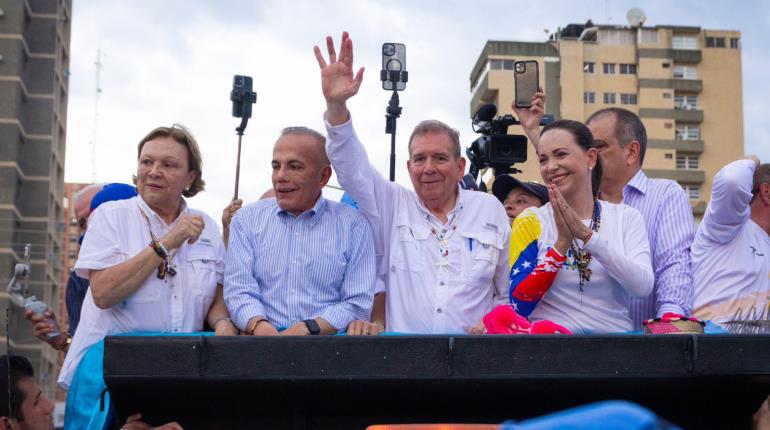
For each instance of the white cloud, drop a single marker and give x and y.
(173, 61)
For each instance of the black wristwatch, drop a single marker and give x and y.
(313, 327)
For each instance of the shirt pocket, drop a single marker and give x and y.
(480, 263)
(203, 270)
(407, 249)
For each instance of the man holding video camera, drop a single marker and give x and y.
(442, 249)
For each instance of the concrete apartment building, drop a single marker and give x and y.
(684, 82)
(34, 63)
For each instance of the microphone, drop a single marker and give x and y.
(485, 113)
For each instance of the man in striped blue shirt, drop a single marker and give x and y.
(622, 141)
(298, 262)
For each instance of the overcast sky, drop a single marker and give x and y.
(170, 62)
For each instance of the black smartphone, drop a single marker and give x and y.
(242, 96)
(393, 60)
(526, 77)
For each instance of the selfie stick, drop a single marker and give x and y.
(240, 129)
(242, 97)
(392, 112)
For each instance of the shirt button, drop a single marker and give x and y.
(439, 310)
(174, 297)
(441, 283)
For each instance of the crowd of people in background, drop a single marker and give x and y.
(597, 248)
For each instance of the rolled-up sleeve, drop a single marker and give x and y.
(101, 244)
(241, 290)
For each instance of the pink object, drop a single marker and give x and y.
(504, 320)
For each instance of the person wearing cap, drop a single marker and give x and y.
(85, 203)
(516, 195)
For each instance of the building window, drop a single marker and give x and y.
(668, 156)
(666, 95)
(609, 98)
(665, 65)
(648, 36)
(720, 42)
(501, 64)
(686, 161)
(616, 37)
(687, 132)
(685, 72)
(588, 68)
(693, 191)
(627, 99)
(628, 69)
(608, 68)
(667, 125)
(589, 97)
(684, 42)
(73, 238)
(710, 42)
(682, 102)
(734, 42)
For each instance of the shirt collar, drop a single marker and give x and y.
(314, 213)
(639, 182)
(459, 203)
(152, 215)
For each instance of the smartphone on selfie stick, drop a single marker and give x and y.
(242, 96)
(394, 77)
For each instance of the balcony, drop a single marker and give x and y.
(683, 85)
(691, 56)
(690, 116)
(482, 95)
(692, 146)
(687, 85)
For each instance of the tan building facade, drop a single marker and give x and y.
(684, 82)
(34, 80)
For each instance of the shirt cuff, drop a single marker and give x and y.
(670, 307)
(338, 128)
(246, 312)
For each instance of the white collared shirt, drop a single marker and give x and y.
(118, 231)
(426, 292)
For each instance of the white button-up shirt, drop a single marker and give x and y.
(428, 290)
(117, 231)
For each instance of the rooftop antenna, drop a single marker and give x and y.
(97, 92)
(636, 17)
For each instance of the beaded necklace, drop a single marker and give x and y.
(582, 257)
(166, 266)
(442, 237)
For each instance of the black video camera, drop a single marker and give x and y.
(495, 148)
(242, 96)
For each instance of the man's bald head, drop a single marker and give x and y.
(81, 201)
(319, 142)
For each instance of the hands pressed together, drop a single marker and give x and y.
(568, 225)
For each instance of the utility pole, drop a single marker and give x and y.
(97, 92)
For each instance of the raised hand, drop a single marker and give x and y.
(45, 323)
(188, 228)
(530, 117)
(337, 80)
(229, 212)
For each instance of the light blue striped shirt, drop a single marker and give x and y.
(670, 229)
(290, 268)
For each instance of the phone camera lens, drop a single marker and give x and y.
(239, 81)
(393, 65)
(388, 49)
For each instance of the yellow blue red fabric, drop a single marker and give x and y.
(530, 279)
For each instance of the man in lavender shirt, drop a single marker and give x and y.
(622, 141)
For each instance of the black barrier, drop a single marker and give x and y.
(696, 381)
